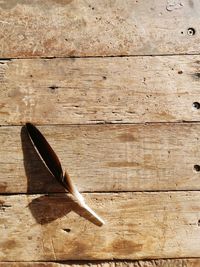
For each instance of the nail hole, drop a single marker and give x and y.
(196, 105)
(197, 75)
(191, 31)
(198, 222)
(197, 168)
(67, 230)
(104, 77)
(53, 87)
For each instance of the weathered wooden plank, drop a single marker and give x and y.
(123, 90)
(138, 225)
(89, 28)
(140, 263)
(104, 158)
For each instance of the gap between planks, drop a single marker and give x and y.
(51, 194)
(96, 57)
(183, 262)
(105, 123)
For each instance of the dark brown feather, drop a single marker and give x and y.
(46, 152)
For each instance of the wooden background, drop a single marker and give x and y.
(115, 88)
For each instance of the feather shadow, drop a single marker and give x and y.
(46, 208)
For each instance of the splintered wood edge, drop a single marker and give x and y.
(146, 263)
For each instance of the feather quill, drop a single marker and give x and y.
(53, 164)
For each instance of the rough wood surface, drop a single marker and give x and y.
(99, 90)
(104, 158)
(63, 91)
(139, 225)
(147, 263)
(92, 28)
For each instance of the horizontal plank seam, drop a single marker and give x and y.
(99, 192)
(106, 56)
(106, 123)
(102, 260)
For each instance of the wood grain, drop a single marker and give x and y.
(104, 158)
(80, 87)
(138, 225)
(146, 263)
(55, 28)
(100, 90)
